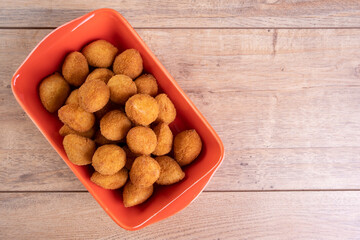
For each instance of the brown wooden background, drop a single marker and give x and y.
(278, 80)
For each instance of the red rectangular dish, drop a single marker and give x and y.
(109, 25)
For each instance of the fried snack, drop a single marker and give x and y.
(142, 109)
(53, 91)
(109, 159)
(73, 98)
(170, 171)
(129, 63)
(146, 84)
(144, 171)
(164, 139)
(167, 111)
(66, 130)
(115, 125)
(114, 181)
(101, 140)
(76, 118)
(100, 53)
(121, 88)
(187, 146)
(102, 74)
(93, 95)
(79, 149)
(130, 157)
(75, 68)
(141, 140)
(134, 195)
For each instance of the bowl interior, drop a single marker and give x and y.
(47, 58)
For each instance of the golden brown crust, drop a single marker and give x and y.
(134, 195)
(121, 88)
(167, 111)
(129, 63)
(144, 171)
(114, 125)
(147, 84)
(142, 109)
(79, 149)
(164, 139)
(53, 91)
(66, 130)
(109, 159)
(187, 146)
(76, 117)
(100, 53)
(141, 140)
(102, 74)
(114, 181)
(170, 171)
(93, 95)
(75, 68)
(73, 98)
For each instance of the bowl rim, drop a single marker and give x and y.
(208, 175)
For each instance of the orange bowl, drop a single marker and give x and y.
(47, 58)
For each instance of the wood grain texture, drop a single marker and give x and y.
(278, 215)
(239, 67)
(185, 14)
(322, 117)
(242, 170)
(232, 59)
(284, 101)
(282, 110)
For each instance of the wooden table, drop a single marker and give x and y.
(278, 80)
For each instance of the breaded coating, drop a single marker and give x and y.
(134, 195)
(115, 125)
(130, 157)
(102, 74)
(129, 63)
(93, 95)
(164, 139)
(141, 140)
(147, 84)
(101, 140)
(53, 91)
(100, 53)
(66, 130)
(76, 118)
(109, 159)
(142, 109)
(79, 149)
(170, 172)
(144, 171)
(75, 68)
(121, 88)
(167, 111)
(73, 98)
(112, 182)
(187, 146)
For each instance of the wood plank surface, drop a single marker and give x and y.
(231, 59)
(190, 14)
(279, 80)
(278, 118)
(322, 117)
(249, 215)
(242, 170)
